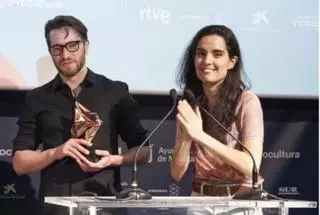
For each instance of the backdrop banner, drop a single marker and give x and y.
(290, 166)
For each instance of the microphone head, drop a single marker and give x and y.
(190, 97)
(173, 94)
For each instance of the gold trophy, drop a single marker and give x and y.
(85, 126)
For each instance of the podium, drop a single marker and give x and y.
(91, 204)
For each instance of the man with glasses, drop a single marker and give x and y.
(49, 116)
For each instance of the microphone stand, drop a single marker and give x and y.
(255, 193)
(134, 192)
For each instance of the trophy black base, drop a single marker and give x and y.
(93, 157)
(253, 194)
(133, 193)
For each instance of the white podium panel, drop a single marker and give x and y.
(93, 203)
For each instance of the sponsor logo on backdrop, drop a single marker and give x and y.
(34, 4)
(5, 152)
(260, 17)
(157, 15)
(281, 154)
(260, 22)
(288, 190)
(9, 191)
(305, 21)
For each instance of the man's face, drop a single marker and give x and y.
(68, 51)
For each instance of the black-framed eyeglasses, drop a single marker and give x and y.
(71, 46)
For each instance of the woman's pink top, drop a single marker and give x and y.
(248, 125)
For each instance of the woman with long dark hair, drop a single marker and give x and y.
(212, 69)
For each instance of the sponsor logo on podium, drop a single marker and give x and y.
(9, 191)
(9, 188)
(288, 191)
(281, 154)
(5, 152)
(174, 190)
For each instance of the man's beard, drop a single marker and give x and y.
(75, 71)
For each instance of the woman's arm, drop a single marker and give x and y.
(240, 160)
(251, 130)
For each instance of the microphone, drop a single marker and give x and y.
(134, 192)
(255, 193)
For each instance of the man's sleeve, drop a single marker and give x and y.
(27, 137)
(128, 122)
